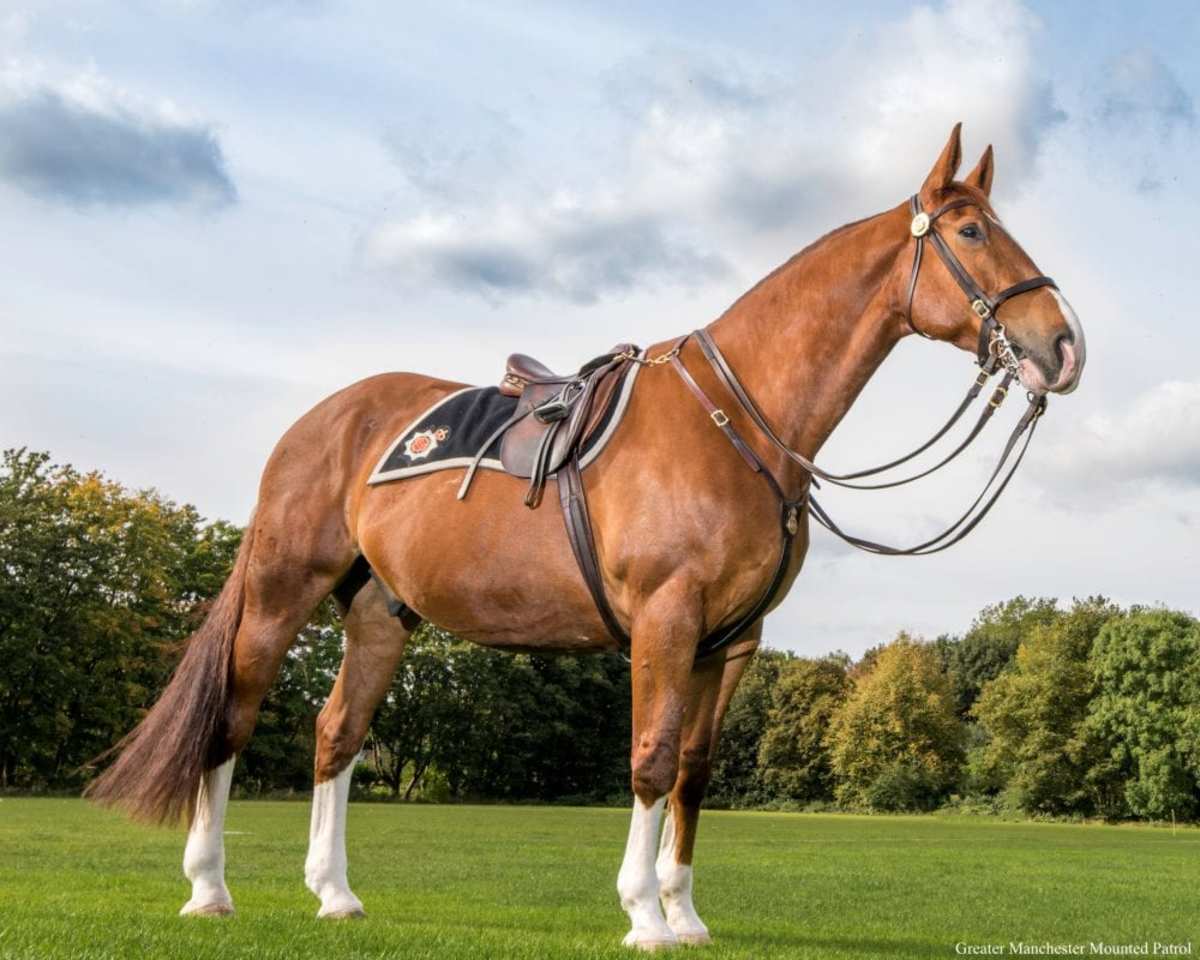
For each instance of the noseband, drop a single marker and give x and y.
(994, 345)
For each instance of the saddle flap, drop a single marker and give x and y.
(520, 443)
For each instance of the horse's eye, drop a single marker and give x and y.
(970, 232)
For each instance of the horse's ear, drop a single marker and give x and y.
(981, 176)
(942, 174)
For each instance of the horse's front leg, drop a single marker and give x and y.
(712, 684)
(664, 638)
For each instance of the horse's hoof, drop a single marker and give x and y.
(214, 908)
(650, 941)
(346, 909)
(354, 913)
(697, 939)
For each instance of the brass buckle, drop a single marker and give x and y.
(982, 310)
(998, 397)
(982, 378)
(719, 418)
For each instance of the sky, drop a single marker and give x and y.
(217, 212)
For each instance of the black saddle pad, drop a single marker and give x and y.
(450, 433)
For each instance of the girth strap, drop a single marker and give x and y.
(579, 532)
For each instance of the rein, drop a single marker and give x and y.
(995, 350)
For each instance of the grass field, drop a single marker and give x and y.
(540, 882)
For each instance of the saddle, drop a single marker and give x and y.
(555, 415)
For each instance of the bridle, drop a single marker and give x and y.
(995, 350)
(994, 345)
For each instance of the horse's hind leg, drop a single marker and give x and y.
(374, 644)
(286, 578)
(204, 855)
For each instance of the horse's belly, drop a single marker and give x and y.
(486, 568)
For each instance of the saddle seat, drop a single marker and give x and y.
(554, 416)
(522, 369)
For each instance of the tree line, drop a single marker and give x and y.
(1037, 709)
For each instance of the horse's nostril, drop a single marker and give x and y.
(1061, 341)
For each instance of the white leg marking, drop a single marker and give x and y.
(637, 883)
(325, 867)
(204, 855)
(675, 889)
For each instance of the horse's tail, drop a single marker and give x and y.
(160, 763)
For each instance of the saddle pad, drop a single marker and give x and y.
(449, 434)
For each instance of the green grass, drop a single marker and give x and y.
(536, 882)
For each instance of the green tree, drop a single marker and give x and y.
(793, 758)
(493, 725)
(100, 584)
(896, 742)
(1147, 670)
(988, 647)
(1038, 752)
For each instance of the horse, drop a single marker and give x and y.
(685, 533)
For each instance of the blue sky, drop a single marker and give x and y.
(217, 212)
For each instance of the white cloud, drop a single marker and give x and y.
(84, 140)
(1156, 440)
(719, 158)
(1139, 84)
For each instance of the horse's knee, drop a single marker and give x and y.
(338, 741)
(655, 766)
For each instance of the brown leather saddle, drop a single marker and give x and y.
(554, 417)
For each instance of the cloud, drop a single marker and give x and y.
(1155, 441)
(718, 160)
(1139, 86)
(564, 250)
(87, 143)
(442, 166)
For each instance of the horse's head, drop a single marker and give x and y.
(971, 284)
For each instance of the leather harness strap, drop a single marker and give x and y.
(579, 532)
(731, 382)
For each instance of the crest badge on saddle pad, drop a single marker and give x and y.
(424, 442)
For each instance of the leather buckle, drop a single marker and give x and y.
(719, 418)
(983, 377)
(982, 310)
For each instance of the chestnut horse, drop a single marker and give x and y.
(686, 535)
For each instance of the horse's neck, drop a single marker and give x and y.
(806, 340)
